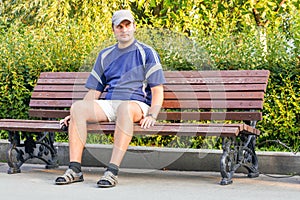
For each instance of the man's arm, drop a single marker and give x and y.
(156, 103)
(92, 95)
(157, 100)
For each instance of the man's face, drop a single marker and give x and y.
(124, 32)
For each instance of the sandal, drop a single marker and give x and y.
(69, 177)
(107, 180)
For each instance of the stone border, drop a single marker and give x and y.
(187, 159)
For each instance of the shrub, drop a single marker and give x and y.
(67, 35)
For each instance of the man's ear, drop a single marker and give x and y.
(134, 26)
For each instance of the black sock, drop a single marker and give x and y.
(75, 166)
(113, 168)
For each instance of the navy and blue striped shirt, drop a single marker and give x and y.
(127, 74)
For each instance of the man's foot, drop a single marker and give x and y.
(107, 180)
(69, 177)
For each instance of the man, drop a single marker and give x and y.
(132, 75)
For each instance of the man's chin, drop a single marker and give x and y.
(125, 40)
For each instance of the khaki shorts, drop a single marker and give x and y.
(110, 107)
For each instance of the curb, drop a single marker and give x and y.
(98, 155)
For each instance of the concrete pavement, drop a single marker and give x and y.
(36, 182)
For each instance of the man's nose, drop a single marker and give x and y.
(124, 29)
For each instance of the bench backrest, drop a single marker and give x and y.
(188, 95)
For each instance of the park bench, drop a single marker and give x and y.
(225, 103)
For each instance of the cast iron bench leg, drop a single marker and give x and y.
(236, 155)
(228, 161)
(14, 155)
(35, 146)
(248, 157)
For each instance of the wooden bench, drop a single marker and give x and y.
(231, 101)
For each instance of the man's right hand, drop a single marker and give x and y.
(64, 123)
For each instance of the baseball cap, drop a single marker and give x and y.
(122, 15)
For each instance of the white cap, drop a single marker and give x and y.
(122, 15)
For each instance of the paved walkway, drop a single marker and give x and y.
(35, 182)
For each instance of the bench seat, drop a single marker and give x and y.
(179, 129)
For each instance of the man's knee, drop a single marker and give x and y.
(130, 110)
(124, 108)
(78, 108)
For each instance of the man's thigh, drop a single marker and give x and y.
(110, 107)
(91, 111)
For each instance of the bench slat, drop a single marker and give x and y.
(214, 81)
(218, 73)
(180, 129)
(216, 104)
(59, 88)
(167, 88)
(170, 81)
(166, 115)
(172, 104)
(216, 88)
(167, 95)
(208, 73)
(248, 116)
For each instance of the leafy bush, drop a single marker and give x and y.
(66, 35)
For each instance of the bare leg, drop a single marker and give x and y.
(127, 114)
(81, 112)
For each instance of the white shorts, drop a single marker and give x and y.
(110, 107)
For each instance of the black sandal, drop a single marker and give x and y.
(107, 180)
(69, 177)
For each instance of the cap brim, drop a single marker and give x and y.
(117, 22)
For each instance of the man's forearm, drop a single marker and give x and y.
(157, 100)
(92, 95)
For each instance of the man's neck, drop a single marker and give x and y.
(123, 45)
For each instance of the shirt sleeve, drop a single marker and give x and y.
(154, 72)
(96, 79)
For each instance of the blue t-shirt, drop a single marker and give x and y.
(127, 74)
